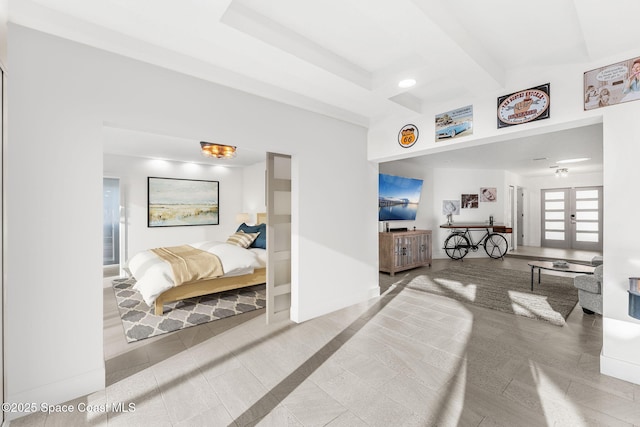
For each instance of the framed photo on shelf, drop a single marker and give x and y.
(451, 207)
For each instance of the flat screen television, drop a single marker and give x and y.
(398, 197)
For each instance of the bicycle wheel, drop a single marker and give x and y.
(456, 246)
(496, 245)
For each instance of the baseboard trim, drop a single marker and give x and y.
(59, 392)
(620, 369)
(340, 303)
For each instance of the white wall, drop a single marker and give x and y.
(450, 184)
(253, 190)
(133, 173)
(621, 338)
(4, 17)
(61, 95)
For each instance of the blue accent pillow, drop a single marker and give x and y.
(261, 241)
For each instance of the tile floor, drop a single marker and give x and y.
(404, 359)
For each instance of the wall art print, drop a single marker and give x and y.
(469, 201)
(613, 84)
(524, 106)
(488, 194)
(408, 135)
(454, 123)
(451, 207)
(181, 202)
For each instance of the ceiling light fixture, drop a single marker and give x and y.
(218, 151)
(406, 83)
(582, 159)
(562, 172)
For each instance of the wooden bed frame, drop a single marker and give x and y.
(210, 286)
(205, 287)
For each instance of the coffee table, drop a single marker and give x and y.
(567, 268)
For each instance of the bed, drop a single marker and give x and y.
(154, 277)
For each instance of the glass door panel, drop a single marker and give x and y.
(111, 221)
(572, 218)
(555, 219)
(587, 219)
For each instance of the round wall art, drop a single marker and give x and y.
(408, 135)
(524, 106)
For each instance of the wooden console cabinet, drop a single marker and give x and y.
(402, 250)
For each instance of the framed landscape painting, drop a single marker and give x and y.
(180, 202)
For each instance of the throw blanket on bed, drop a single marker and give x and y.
(189, 264)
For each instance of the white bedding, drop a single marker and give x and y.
(154, 276)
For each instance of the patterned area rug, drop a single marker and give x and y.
(499, 289)
(139, 322)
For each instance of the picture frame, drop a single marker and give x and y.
(488, 194)
(176, 202)
(612, 84)
(451, 207)
(524, 106)
(469, 201)
(454, 123)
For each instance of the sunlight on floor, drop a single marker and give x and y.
(553, 399)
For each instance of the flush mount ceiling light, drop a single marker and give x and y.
(581, 159)
(218, 151)
(562, 172)
(406, 83)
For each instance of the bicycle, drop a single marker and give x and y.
(458, 244)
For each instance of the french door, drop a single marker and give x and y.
(572, 218)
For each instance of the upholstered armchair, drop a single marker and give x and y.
(590, 291)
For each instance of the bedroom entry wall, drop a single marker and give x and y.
(72, 90)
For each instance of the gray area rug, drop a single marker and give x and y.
(139, 322)
(499, 289)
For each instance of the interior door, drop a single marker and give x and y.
(519, 216)
(572, 218)
(278, 237)
(586, 218)
(510, 215)
(555, 216)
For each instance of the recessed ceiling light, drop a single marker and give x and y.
(582, 159)
(407, 83)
